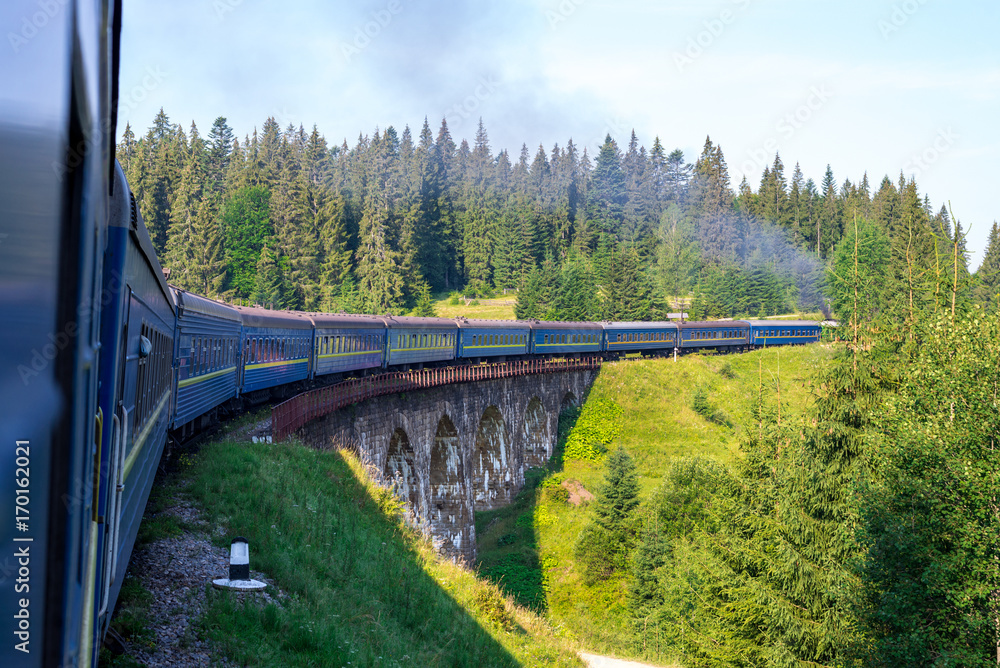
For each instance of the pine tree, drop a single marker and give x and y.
(605, 544)
(480, 215)
(181, 237)
(220, 147)
(425, 305)
(987, 285)
(378, 268)
(207, 268)
(269, 283)
(607, 194)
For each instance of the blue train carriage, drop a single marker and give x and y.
(206, 359)
(492, 340)
(275, 347)
(784, 332)
(721, 335)
(566, 338)
(643, 337)
(136, 368)
(57, 160)
(345, 343)
(416, 342)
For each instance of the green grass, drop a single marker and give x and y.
(362, 587)
(658, 423)
(481, 309)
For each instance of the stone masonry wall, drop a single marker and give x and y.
(457, 448)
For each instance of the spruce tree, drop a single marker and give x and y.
(987, 286)
(605, 544)
(269, 282)
(607, 194)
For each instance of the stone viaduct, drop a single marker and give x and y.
(457, 448)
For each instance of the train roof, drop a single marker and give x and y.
(189, 301)
(781, 323)
(262, 317)
(492, 324)
(138, 229)
(346, 320)
(555, 324)
(396, 321)
(640, 325)
(700, 324)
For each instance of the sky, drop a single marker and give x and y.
(877, 86)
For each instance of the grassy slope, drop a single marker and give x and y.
(658, 424)
(488, 311)
(363, 589)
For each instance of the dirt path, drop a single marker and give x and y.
(595, 661)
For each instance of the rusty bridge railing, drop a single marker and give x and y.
(291, 415)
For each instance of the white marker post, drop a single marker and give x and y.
(239, 569)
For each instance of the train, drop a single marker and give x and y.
(102, 361)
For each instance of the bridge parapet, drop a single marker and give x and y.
(291, 415)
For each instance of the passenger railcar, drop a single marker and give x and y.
(723, 335)
(626, 337)
(784, 332)
(206, 356)
(275, 349)
(492, 339)
(417, 341)
(54, 187)
(343, 343)
(566, 338)
(138, 320)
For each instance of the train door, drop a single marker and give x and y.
(112, 466)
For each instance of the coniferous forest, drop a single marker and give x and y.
(864, 533)
(282, 219)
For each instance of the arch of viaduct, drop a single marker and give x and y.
(458, 448)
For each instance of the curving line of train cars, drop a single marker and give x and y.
(101, 360)
(222, 352)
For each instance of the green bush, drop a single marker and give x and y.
(597, 427)
(703, 407)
